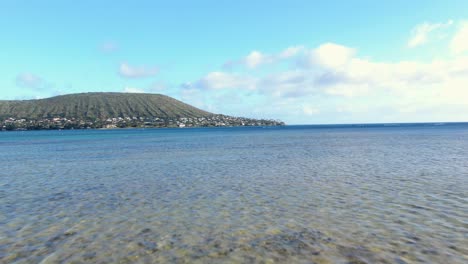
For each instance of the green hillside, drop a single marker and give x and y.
(101, 106)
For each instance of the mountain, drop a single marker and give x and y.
(112, 110)
(101, 106)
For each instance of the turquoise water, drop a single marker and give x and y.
(296, 194)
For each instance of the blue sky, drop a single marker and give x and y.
(305, 62)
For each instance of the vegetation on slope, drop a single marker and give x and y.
(89, 106)
(112, 110)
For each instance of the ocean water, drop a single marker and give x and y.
(295, 194)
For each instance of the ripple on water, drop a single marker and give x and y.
(242, 196)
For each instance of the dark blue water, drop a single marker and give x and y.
(296, 194)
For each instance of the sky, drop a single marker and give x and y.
(303, 62)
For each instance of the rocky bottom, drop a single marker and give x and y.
(148, 246)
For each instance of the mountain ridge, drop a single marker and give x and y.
(99, 105)
(112, 110)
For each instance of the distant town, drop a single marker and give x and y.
(62, 123)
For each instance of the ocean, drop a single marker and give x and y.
(294, 194)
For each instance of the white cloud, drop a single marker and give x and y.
(288, 83)
(197, 98)
(421, 33)
(35, 86)
(128, 71)
(330, 55)
(310, 110)
(341, 79)
(334, 69)
(256, 58)
(292, 83)
(291, 52)
(29, 80)
(132, 90)
(459, 43)
(348, 90)
(222, 80)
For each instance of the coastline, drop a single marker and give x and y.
(13, 124)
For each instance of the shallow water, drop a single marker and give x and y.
(300, 194)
